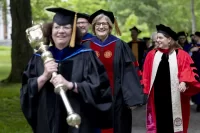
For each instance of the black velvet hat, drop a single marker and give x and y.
(182, 33)
(197, 33)
(136, 29)
(83, 15)
(146, 38)
(110, 15)
(166, 30)
(101, 11)
(191, 35)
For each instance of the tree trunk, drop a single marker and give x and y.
(193, 17)
(5, 21)
(21, 50)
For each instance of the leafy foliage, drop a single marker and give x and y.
(38, 9)
(174, 13)
(40, 15)
(145, 14)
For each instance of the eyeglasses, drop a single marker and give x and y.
(83, 23)
(104, 24)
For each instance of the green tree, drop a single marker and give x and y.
(21, 50)
(38, 9)
(130, 10)
(40, 15)
(174, 13)
(86, 6)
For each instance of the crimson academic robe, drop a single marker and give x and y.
(122, 71)
(186, 73)
(45, 111)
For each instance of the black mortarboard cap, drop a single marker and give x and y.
(197, 33)
(191, 35)
(146, 38)
(182, 33)
(62, 16)
(136, 29)
(166, 30)
(83, 15)
(101, 11)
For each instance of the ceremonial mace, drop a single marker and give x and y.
(37, 41)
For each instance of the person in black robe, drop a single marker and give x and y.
(182, 40)
(138, 46)
(195, 53)
(78, 68)
(83, 24)
(147, 41)
(122, 69)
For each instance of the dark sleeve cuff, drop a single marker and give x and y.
(33, 86)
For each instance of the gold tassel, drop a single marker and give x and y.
(118, 32)
(72, 41)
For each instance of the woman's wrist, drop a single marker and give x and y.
(70, 85)
(41, 81)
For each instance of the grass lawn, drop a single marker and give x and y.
(11, 117)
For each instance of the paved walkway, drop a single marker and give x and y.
(139, 121)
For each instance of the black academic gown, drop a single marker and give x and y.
(45, 111)
(127, 88)
(141, 49)
(195, 57)
(164, 106)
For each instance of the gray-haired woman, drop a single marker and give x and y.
(121, 68)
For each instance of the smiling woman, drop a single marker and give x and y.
(102, 26)
(170, 78)
(79, 70)
(61, 35)
(122, 69)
